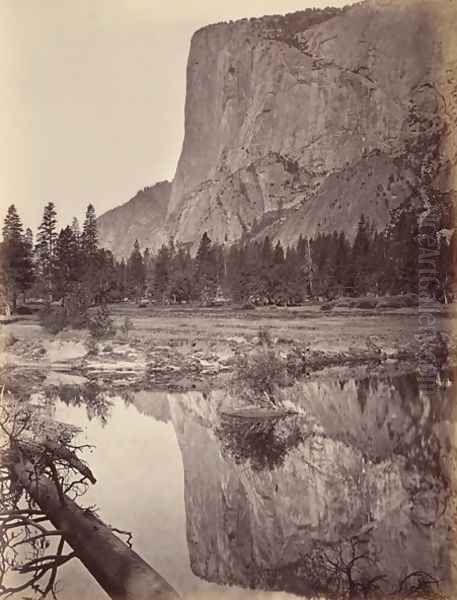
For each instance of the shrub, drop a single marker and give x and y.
(7, 339)
(92, 346)
(53, 319)
(126, 327)
(76, 307)
(260, 374)
(25, 310)
(264, 336)
(101, 325)
(367, 303)
(248, 306)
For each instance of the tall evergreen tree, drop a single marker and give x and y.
(206, 269)
(67, 269)
(89, 236)
(136, 271)
(45, 249)
(16, 266)
(28, 238)
(162, 273)
(360, 257)
(12, 226)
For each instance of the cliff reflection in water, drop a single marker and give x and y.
(350, 496)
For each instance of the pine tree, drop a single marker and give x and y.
(161, 273)
(28, 238)
(46, 243)
(136, 271)
(89, 237)
(16, 266)
(278, 254)
(12, 227)
(67, 264)
(206, 269)
(76, 229)
(403, 251)
(360, 257)
(180, 286)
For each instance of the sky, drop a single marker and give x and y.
(92, 96)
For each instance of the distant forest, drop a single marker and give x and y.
(69, 267)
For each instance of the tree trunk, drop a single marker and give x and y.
(122, 573)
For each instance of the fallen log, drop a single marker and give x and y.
(122, 573)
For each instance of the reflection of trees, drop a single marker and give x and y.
(90, 395)
(392, 416)
(264, 442)
(41, 525)
(347, 569)
(343, 569)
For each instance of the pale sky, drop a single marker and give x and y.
(92, 96)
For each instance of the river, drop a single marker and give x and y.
(355, 469)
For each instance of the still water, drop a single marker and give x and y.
(347, 491)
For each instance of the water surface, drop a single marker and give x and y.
(350, 493)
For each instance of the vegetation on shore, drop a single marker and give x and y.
(69, 268)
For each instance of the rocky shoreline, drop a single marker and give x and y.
(134, 363)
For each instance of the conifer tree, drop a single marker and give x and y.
(206, 269)
(45, 249)
(89, 236)
(67, 264)
(136, 271)
(16, 266)
(76, 229)
(161, 273)
(12, 226)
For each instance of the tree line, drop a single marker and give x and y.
(67, 265)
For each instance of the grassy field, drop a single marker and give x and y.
(340, 329)
(336, 330)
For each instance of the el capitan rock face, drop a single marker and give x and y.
(310, 119)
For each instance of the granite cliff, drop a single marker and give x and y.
(299, 123)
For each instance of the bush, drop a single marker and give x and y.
(92, 346)
(101, 325)
(248, 306)
(264, 337)
(367, 303)
(76, 307)
(260, 374)
(405, 301)
(126, 327)
(25, 310)
(7, 339)
(53, 319)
